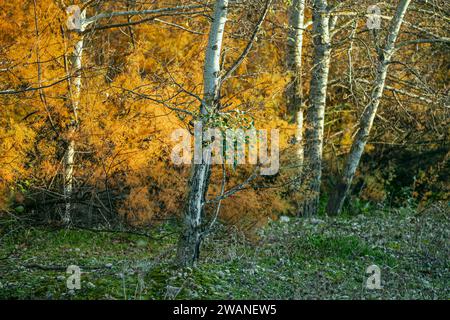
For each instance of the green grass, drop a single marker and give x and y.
(302, 259)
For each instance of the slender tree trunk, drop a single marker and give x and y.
(190, 240)
(337, 199)
(294, 64)
(69, 157)
(316, 112)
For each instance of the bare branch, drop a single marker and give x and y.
(249, 46)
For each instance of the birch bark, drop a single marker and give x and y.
(69, 157)
(190, 240)
(294, 64)
(316, 112)
(337, 199)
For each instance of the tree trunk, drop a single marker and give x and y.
(69, 158)
(191, 237)
(316, 112)
(190, 240)
(337, 199)
(294, 64)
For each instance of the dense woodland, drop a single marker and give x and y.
(92, 91)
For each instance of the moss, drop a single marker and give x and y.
(299, 260)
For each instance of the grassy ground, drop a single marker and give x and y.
(299, 259)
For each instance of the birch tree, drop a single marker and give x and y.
(190, 240)
(213, 78)
(77, 24)
(294, 64)
(337, 199)
(316, 112)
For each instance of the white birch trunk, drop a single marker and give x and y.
(190, 240)
(294, 64)
(337, 199)
(69, 158)
(316, 112)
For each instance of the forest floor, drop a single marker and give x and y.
(322, 258)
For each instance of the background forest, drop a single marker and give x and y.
(88, 108)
